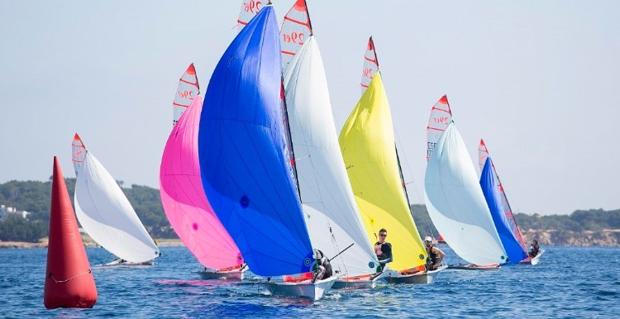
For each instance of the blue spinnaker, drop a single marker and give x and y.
(493, 197)
(244, 170)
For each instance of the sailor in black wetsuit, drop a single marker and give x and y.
(322, 267)
(435, 255)
(534, 249)
(383, 250)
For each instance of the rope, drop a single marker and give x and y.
(51, 276)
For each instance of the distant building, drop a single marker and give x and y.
(6, 210)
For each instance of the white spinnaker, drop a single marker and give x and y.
(456, 204)
(105, 213)
(371, 65)
(441, 116)
(295, 31)
(329, 206)
(187, 90)
(249, 8)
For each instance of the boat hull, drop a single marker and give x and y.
(122, 263)
(306, 289)
(365, 283)
(475, 267)
(223, 275)
(533, 261)
(420, 278)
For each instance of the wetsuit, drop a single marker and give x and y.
(386, 255)
(534, 249)
(432, 258)
(322, 268)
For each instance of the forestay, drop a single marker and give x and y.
(183, 199)
(245, 174)
(514, 251)
(105, 213)
(441, 116)
(371, 64)
(187, 90)
(296, 30)
(368, 149)
(329, 206)
(483, 154)
(456, 204)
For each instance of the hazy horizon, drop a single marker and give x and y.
(537, 80)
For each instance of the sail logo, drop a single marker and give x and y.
(294, 37)
(253, 6)
(367, 72)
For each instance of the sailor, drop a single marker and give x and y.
(534, 249)
(435, 255)
(322, 267)
(383, 249)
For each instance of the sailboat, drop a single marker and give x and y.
(454, 199)
(505, 222)
(187, 90)
(69, 281)
(105, 213)
(369, 151)
(184, 202)
(325, 192)
(245, 174)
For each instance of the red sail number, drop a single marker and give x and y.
(294, 37)
(253, 6)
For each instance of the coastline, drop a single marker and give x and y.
(161, 242)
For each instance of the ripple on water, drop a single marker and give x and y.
(561, 286)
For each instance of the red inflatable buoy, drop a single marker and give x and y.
(69, 282)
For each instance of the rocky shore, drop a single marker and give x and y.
(603, 238)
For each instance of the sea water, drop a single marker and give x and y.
(568, 283)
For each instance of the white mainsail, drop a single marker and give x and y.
(105, 213)
(296, 30)
(330, 209)
(249, 8)
(187, 90)
(456, 204)
(371, 65)
(440, 118)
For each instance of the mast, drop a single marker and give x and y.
(402, 178)
(289, 139)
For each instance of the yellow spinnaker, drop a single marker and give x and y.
(368, 148)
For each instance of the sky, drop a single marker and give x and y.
(538, 80)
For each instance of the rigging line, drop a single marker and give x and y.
(342, 251)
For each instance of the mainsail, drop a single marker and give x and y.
(456, 203)
(186, 92)
(296, 29)
(249, 8)
(490, 188)
(105, 213)
(371, 64)
(368, 148)
(483, 154)
(245, 174)
(183, 199)
(441, 116)
(331, 213)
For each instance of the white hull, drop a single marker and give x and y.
(534, 261)
(344, 283)
(123, 263)
(475, 267)
(223, 275)
(420, 278)
(306, 289)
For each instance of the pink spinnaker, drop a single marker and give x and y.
(184, 200)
